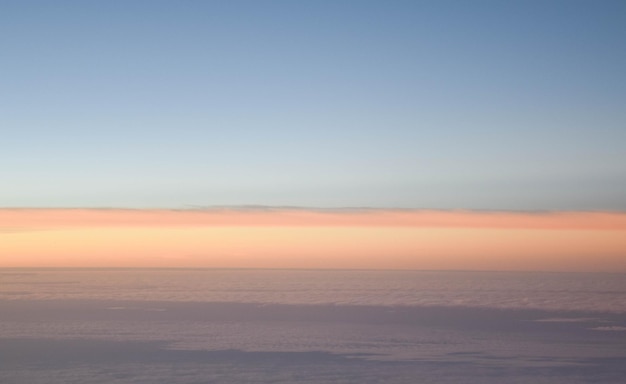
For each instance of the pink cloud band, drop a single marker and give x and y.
(53, 218)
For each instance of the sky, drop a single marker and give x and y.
(319, 239)
(400, 104)
(446, 106)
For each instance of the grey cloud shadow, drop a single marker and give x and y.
(456, 317)
(138, 361)
(155, 360)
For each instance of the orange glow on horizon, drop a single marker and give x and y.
(382, 239)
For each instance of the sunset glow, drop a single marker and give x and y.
(301, 238)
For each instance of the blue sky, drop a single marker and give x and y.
(419, 104)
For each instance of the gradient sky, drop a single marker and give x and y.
(503, 105)
(402, 134)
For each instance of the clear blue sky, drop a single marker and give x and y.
(419, 104)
